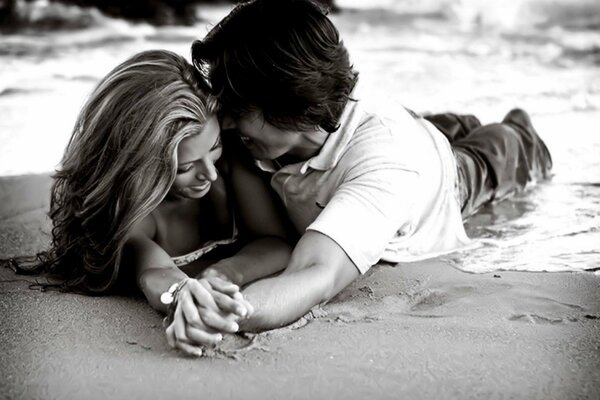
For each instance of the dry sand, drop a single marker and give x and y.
(422, 330)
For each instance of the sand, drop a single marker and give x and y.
(422, 330)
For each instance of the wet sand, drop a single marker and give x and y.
(422, 330)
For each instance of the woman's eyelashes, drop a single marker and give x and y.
(184, 169)
(218, 146)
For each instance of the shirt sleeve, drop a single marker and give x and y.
(370, 207)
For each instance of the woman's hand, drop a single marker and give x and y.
(205, 309)
(227, 295)
(221, 280)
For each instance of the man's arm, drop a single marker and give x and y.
(318, 270)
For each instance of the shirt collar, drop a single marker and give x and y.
(266, 166)
(337, 141)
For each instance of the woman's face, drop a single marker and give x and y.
(196, 156)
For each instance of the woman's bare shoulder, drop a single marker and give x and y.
(146, 227)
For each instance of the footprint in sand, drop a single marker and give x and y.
(523, 307)
(369, 307)
(429, 299)
(546, 311)
(234, 344)
(538, 319)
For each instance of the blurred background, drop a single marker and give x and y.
(468, 56)
(430, 55)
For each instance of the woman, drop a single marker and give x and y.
(143, 188)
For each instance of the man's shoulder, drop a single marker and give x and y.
(395, 125)
(381, 143)
(379, 134)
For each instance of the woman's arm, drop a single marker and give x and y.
(155, 272)
(269, 250)
(200, 300)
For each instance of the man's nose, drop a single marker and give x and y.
(227, 122)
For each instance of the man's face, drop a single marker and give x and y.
(263, 140)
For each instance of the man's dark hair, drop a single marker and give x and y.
(281, 57)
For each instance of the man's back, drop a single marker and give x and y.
(378, 188)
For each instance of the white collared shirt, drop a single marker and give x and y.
(382, 190)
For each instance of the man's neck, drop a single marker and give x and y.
(286, 159)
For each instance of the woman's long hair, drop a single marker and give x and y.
(119, 165)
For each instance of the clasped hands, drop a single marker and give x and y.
(205, 309)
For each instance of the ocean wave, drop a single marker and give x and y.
(77, 78)
(501, 15)
(553, 227)
(13, 91)
(50, 49)
(51, 16)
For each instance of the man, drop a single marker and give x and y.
(358, 189)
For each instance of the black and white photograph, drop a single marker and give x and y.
(300, 199)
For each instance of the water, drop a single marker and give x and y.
(426, 55)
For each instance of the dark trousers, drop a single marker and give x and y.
(496, 160)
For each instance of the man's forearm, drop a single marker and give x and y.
(318, 269)
(281, 300)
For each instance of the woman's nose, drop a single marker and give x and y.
(208, 170)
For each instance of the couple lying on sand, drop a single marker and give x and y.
(164, 177)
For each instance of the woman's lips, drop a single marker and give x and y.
(199, 188)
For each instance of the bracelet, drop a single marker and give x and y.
(169, 298)
(170, 295)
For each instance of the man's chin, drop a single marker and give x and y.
(263, 156)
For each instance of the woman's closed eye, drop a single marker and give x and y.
(217, 146)
(184, 168)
